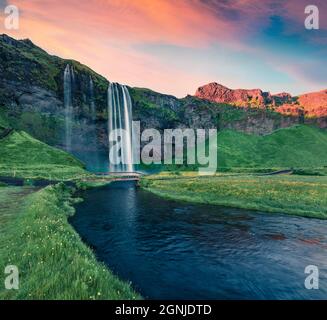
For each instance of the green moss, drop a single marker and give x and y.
(300, 148)
(92, 184)
(11, 199)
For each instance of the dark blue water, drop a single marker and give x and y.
(174, 250)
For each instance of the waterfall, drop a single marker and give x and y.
(68, 104)
(92, 103)
(120, 117)
(72, 72)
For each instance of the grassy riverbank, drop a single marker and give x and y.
(53, 261)
(11, 199)
(292, 194)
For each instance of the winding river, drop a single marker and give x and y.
(175, 250)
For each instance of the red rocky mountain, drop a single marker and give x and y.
(311, 104)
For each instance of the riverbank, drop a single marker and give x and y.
(11, 199)
(291, 194)
(52, 260)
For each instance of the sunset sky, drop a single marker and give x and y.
(175, 46)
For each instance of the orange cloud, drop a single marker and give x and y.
(178, 22)
(106, 34)
(103, 33)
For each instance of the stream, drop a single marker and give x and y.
(177, 250)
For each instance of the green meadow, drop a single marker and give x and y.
(35, 234)
(291, 194)
(301, 148)
(53, 262)
(295, 147)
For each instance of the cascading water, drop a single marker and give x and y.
(120, 118)
(92, 103)
(68, 103)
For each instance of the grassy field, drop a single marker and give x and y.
(301, 148)
(23, 156)
(11, 199)
(298, 146)
(52, 260)
(292, 194)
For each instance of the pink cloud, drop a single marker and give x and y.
(134, 21)
(104, 34)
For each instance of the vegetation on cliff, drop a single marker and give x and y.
(23, 61)
(160, 111)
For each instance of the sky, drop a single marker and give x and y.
(175, 46)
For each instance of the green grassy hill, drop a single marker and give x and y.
(299, 147)
(23, 156)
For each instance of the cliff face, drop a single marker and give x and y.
(314, 104)
(32, 99)
(218, 93)
(309, 105)
(31, 92)
(159, 111)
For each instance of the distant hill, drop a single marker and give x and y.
(310, 105)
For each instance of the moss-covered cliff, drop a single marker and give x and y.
(31, 91)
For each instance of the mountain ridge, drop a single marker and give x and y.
(312, 104)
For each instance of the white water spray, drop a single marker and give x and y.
(68, 104)
(120, 117)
